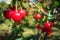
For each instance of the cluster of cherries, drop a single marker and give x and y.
(15, 15)
(47, 27)
(18, 15)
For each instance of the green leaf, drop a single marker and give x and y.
(56, 3)
(1, 27)
(25, 5)
(8, 22)
(39, 5)
(50, 16)
(19, 38)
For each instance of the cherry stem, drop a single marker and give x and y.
(47, 20)
(39, 8)
(11, 4)
(45, 36)
(39, 33)
(21, 5)
(16, 5)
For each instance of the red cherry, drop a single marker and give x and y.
(52, 23)
(37, 16)
(49, 33)
(46, 30)
(23, 13)
(38, 27)
(7, 14)
(43, 29)
(47, 25)
(16, 16)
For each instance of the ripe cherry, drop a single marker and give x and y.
(46, 30)
(49, 33)
(47, 26)
(37, 16)
(16, 16)
(52, 23)
(38, 27)
(8, 14)
(43, 29)
(22, 12)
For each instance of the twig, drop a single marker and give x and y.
(45, 37)
(38, 37)
(39, 8)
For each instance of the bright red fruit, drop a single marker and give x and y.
(38, 27)
(16, 16)
(52, 23)
(47, 26)
(37, 16)
(43, 29)
(22, 12)
(46, 30)
(49, 33)
(8, 14)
